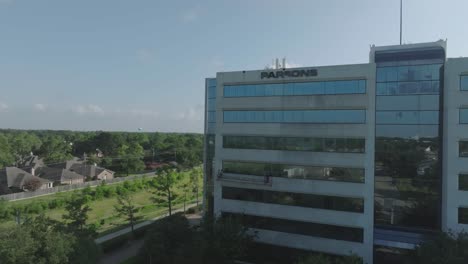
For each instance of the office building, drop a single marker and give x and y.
(365, 158)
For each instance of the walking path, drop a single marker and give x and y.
(133, 247)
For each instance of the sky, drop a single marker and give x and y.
(120, 65)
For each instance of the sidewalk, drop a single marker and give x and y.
(127, 230)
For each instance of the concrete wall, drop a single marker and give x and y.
(366, 160)
(453, 165)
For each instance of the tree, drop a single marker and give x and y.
(39, 240)
(168, 241)
(77, 213)
(55, 149)
(6, 156)
(194, 181)
(165, 187)
(32, 184)
(22, 144)
(127, 209)
(446, 248)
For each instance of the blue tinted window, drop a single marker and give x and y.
(464, 83)
(464, 116)
(407, 117)
(211, 82)
(409, 73)
(406, 88)
(211, 104)
(306, 88)
(296, 116)
(211, 117)
(211, 91)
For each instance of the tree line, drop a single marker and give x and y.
(122, 152)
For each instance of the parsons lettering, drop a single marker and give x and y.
(287, 74)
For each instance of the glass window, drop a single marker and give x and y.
(464, 116)
(299, 227)
(211, 104)
(211, 117)
(464, 83)
(295, 171)
(462, 215)
(349, 145)
(297, 116)
(463, 182)
(463, 148)
(211, 91)
(407, 117)
(295, 199)
(305, 88)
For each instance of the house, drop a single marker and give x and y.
(59, 175)
(12, 178)
(92, 171)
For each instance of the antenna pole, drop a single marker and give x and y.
(401, 19)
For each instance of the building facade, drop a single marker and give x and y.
(369, 159)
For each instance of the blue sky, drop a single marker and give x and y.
(124, 64)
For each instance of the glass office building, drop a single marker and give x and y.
(367, 158)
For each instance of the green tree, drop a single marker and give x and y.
(6, 155)
(165, 184)
(167, 241)
(55, 149)
(76, 215)
(22, 145)
(446, 248)
(38, 240)
(195, 177)
(126, 207)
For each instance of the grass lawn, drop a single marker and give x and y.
(102, 211)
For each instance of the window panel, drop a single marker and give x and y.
(464, 116)
(211, 104)
(407, 117)
(297, 116)
(305, 88)
(211, 117)
(295, 171)
(463, 148)
(463, 182)
(211, 91)
(335, 203)
(299, 227)
(295, 143)
(464, 83)
(462, 215)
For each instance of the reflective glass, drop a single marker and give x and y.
(297, 116)
(350, 145)
(464, 116)
(211, 117)
(407, 102)
(211, 91)
(299, 227)
(211, 104)
(464, 83)
(295, 171)
(295, 199)
(407, 117)
(463, 148)
(211, 81)
(462, 215)
(409, 73)
(305, 88)
(463, 182)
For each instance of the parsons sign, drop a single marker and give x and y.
(287, 74)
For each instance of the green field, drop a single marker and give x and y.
(103, 214)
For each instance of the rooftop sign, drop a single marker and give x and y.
(288, 73)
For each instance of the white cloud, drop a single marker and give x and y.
(288, 65)
(137, 113)
(191, 14)
(3, 106)
(88, 109)
(191, 114)
(6, 2)
(40, 107)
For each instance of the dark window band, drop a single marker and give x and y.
(463, 182)
(300, 227)
(342, 145)
(463, 148)
(295, 171)
(326, 202)
(462, 215)
(348, 116)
